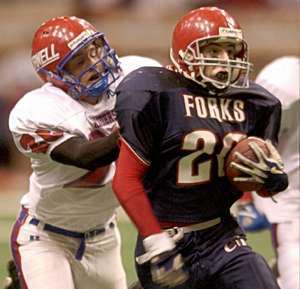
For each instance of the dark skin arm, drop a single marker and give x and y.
(87, 154)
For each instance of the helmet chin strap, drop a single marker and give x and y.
(208, 83)
(213, 90)
(96, 90)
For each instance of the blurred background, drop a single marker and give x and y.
(143, 27)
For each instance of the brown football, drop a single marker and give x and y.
(230, 172)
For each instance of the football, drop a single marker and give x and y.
(231, 172)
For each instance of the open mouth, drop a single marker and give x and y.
(94, 76)
(222, 75)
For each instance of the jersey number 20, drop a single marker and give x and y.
(191, 169)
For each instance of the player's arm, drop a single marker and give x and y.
(139, 117)
(87, 154)
(160, 248)
(37, 133)
(128, 186)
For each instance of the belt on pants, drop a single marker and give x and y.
(177, 233)
(195, 227)
(73, 234)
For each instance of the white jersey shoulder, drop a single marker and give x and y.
(46, 109)
(40, 121)
(281, 78)
(132, 62)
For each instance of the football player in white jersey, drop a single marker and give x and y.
(66, 235)
(281, 77)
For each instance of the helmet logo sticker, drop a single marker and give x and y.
(230, 32)
(80, 38)
(45, 56)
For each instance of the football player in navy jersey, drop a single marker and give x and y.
(177, 126)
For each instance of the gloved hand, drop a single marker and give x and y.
(250, 219)
(267, 171)
(167, 267)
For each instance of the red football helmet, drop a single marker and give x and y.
(55, 43)
(199, 28)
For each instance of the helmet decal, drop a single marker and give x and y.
(80, 38)
(44, 57)
(230, 32)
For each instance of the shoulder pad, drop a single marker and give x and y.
(256, 90)
(133, 62)
(150, 79)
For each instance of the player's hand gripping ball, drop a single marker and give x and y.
(254, 164)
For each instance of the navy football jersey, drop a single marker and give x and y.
(184, 134)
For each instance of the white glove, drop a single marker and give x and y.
(167, 267)
(267, 171)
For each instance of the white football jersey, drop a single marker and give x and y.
(281, 77)
(61, 195)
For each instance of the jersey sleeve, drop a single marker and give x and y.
(38, 129)
(266, 108)
(129, 189)
(139, 117)
(270, 124)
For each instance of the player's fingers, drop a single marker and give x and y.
(251, 179)
(276, 171)
(273, 151)
(248, 171)
(143, 258)
(274, 154)
(260, 154)
(250, 163)
(273, 160)
(273, 163)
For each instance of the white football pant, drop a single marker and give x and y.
(47, 260)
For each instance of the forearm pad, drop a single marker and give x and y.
(86, 154)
